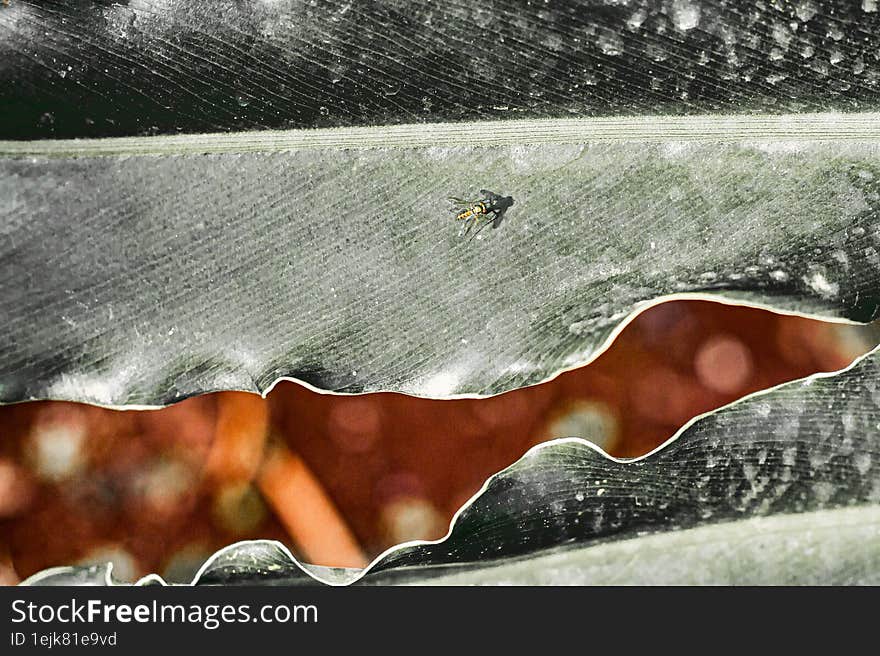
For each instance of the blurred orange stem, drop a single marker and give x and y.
(239, 437)
(307, 512)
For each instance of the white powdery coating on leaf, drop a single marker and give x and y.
(521, 366)
(94, 388)
(806, 10)
(97, 387)
(820, 284)
(439, 385)
(685, 15)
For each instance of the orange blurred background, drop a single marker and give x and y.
(341, 478)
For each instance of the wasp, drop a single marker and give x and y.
(487, 211)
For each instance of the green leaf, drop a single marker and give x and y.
(142, 278)
(141, 67)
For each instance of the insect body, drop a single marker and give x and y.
(489, 210)
(473, 211)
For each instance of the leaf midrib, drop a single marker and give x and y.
(646, 129)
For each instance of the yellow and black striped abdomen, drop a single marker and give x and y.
(475, 210)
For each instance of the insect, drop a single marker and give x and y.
(488, 211)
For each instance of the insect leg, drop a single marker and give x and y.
(479, 231)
